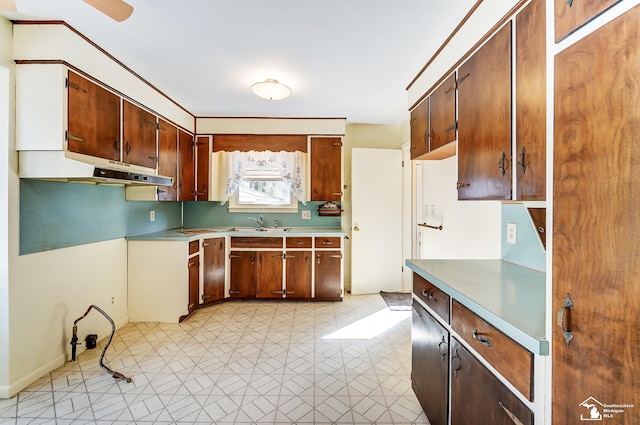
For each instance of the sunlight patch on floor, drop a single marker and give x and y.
(371, 326)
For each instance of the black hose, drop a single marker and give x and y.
(74, 342)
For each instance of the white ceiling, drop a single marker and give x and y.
(341, 58)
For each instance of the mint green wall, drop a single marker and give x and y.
(57, 215)
(528, 250)
(209, 214)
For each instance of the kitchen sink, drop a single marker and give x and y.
(263, 229)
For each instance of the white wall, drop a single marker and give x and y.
(6, 134)
(44, 293)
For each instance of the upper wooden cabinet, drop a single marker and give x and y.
(420, 129)
(326, 169)
(168, 159)
(442, 114)
(596, 261)
(484, 120)
(203, 153)
(93, 126)
(186, 165)
(139, 130)
(529, 158)
(572, 14)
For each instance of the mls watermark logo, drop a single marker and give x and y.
(594, 410)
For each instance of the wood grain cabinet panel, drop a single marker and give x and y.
(203, 154)
(430, 365)
(213, 270)
(139, 140)
(186, 165)
(328, 275)
(299, 242)
(326, 169)
(478, 397)
(437, 300)
(168, 159)
(530, 157)
(442, 113)
(255, 242)
(269, 274)
(328, 242)
(420, 129)
(596, 255)
(93, 126)
(194, 282)
(484, 121)
(572, 14)
(243, 274)
(513, 361)
(299, 273)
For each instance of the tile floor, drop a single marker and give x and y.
(238, 363)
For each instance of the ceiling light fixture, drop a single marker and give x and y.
(271, 89)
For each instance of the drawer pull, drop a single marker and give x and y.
(327, 243)
(299, 243)
(510, 414)
(456, 363)
(232, 256)
(567, 304)
(234, 292)
(443, 348)
(427, 294)
(481, 339)
(277, 292)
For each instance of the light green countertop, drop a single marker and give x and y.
(508, 296)
(188, 235)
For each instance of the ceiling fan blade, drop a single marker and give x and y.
(8, 5)
(115, 9)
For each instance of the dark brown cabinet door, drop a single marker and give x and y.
(213, 270)
(328, 266)
(430, 365)
(531, 88)
(139, 129)
(186, 167)
(203, 152)
(596, 255)
(93, 126)
(442, 122)
(243, 274)
(478, 397)
(168, 159)
(270, 267)
(420, 129)
(572, 14)
(298, 265)
(484, 121)
(326, 169)
(194, 282)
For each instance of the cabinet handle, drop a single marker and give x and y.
(277, 292)
(481, 339)
(318, 258)
(234, 292)
(502, 166)
(461, 185)
(513, 417)
(128, 148)
(290, 256)
(253, 259)
(221, 246)
(521, 160)
(194, 263)
(567, 304)
(456, 363)
(288, 292)
(336, 256)
(116, 145)
(427, 294)
(236, 256)
(443, 348)
(154, 158)
(461, 79)
(299, 243)
(206, 244)
(452, 127)
(327, 243)
(570, 3)
(75, 138)
(307, 259)
(75, 86)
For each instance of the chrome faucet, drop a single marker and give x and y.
(259, 221)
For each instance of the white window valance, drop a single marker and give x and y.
(230, 167)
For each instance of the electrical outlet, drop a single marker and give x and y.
(152, 215)
(512, 233)
(112, 300)
(306, 215)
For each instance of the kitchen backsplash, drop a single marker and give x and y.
(528, 250)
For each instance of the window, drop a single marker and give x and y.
(263, 189)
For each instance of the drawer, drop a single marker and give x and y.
(330, 242)
(194, 247)
(432, 296)
(301, 242)
(255, 242)
(508, 357)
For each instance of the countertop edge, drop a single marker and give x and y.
(534, 344)
(176, 236)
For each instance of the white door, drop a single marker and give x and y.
(376, 196)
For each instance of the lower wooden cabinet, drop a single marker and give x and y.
(270, 274)
(193, 266)
(298, 271)
(328, 275)
(243, 274)
(213, 270)
(430, 364)
(479, 397)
